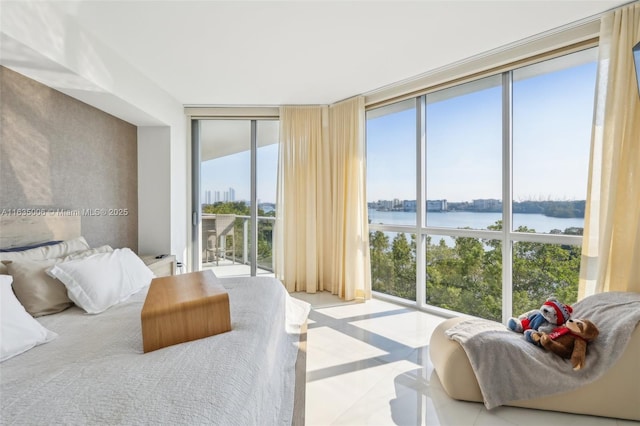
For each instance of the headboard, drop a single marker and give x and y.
(42, 226)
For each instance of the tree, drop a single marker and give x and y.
(381, 265)
(403, 256)
(466, 275)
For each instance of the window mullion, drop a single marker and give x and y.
(421, 238)
(507, 195)
(253, 223)
(195, 263)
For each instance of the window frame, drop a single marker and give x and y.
(507, 235)
(194, 114)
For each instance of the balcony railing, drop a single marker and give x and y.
(241, 238)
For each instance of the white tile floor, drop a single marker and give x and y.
(368, 364)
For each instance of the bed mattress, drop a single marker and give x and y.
(95, 372)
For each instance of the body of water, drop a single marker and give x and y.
(474, 220)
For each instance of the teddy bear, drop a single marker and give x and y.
(569, 341)
(551, 314)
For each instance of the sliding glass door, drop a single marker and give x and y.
(234, 183)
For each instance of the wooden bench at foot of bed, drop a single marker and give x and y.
(181, 308)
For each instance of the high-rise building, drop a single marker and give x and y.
(207, 196)
(232, 194)
(216, 196)
(226, 196)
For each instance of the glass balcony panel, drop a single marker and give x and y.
(464, 274)
(265, 244)
(393, 263)
(544, 270)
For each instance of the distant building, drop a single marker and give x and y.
(409, 205)
(207, 196)
(437, 205)
(385, 205)
(216, 196)
(489, 204)
(232, 194)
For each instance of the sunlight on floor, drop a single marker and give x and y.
(368, 364)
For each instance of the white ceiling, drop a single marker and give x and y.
(308, 52)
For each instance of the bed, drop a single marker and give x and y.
(95, 371)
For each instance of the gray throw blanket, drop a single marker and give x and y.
(509, 368)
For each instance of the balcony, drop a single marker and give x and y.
(228, 265)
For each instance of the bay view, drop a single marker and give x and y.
(475, 220)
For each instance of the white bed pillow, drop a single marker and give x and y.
(45, 252)
(39, 293)
(19, 332)
(103, 280)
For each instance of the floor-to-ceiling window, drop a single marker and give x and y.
(552, 121)
(476, 192)
(464, 191)
(234, 164)
(391, 192)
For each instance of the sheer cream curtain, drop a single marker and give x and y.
(611, 246)
(349, 271)
(321, 229)
(298, 234)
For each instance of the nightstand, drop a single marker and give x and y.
(161, 267)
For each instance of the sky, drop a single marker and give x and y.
(552, 115)
(235, 171)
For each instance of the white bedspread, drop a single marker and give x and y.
(95, 372)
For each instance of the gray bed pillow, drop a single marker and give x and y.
(39, 293)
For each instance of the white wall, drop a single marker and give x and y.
(162, 199)
(40, 41)
(179, 197)
(154, 189)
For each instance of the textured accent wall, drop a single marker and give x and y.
(59, 153)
